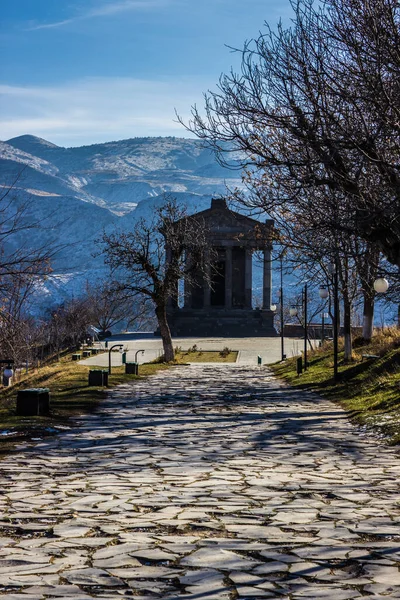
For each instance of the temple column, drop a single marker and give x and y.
(228, 277)
(173, 298)
(248, 278)
(187, 288)
(267, 279)
(207, 281)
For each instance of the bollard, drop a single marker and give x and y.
(259, 361)
(299, 365)
(124, 358)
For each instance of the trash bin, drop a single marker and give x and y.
(132, 368)
(98, 377)
(35, 401)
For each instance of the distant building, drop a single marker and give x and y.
(225, 307)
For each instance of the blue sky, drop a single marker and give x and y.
(84, 71)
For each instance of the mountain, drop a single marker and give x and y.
(121, 174)
(77, 193)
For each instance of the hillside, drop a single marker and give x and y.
(77, 193)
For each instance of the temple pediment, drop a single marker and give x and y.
(225, 225)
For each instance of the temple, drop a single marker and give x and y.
(225, 308)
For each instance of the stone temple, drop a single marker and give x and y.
(226, 307)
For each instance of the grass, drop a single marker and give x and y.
(199, 356)
(368, 390)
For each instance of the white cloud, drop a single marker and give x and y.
(108, 9)
(97, 109)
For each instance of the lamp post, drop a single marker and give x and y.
(121, 349)
(293, 313)
(283, 355)
(323, 294)
(381, 286)
(336, 317)
(305, 300)
(136, 355)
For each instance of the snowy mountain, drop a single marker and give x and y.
(77, 193)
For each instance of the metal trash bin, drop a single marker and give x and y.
(98, 377)
(132, 368)
(34, 401)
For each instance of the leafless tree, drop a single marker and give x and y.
(150, 260)
(110, 306)
(314, 112)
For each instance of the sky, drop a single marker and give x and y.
(78, 72)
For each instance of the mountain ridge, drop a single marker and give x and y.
(79, 192)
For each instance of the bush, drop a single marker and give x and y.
(225, 352)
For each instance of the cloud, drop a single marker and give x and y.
(105, 10)
(97, 109)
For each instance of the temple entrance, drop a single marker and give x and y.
(217, 297)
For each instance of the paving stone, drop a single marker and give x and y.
(91, 577)
(203, 482)
(218, 559)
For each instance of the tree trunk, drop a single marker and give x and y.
(368, 321)
(347, 329)
(165, 332)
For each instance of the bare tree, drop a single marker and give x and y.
(150, 260)
(314, 112)
(110, 306)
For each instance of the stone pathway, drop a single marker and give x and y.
(202, 483)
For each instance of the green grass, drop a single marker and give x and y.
(369, 390)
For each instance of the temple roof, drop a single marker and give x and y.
(225, 225)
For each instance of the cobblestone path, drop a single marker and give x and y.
(203, 482)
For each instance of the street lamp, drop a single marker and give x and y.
(121, 349)
(294, 312)
(336, 317)
(381, 285)
(283, 355)
(323, 294)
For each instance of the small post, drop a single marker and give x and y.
(259, 360)
(305, 327)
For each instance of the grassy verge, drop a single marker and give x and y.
(368, 389)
